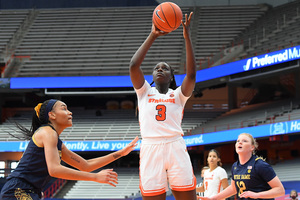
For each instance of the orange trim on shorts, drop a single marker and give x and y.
(151, 192)
(185, 187)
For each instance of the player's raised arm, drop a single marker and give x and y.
(188, 83)
(136, 73)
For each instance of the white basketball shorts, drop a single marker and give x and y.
(164, 163)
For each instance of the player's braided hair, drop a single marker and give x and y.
(37, 121)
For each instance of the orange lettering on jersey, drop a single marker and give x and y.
(210, 178)
(152, 100)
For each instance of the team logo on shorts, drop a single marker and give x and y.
(21, 194)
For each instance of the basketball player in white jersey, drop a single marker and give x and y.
(164, 160)
(215, 178)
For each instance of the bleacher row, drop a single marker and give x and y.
(276, 29)
(253, 115)
(287, 171)
(112, 125)
(101, 41)
(128, 185)
(123, 124)
(10, 22)
(89, 42)
(219, 26)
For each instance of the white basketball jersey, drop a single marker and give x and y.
(160, 115)
(212, 181)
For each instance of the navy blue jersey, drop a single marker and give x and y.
(252, 176)
(33, 167)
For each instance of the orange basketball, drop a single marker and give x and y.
(167, 16)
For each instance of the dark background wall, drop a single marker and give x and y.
(28, 4)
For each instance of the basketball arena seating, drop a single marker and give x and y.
(123, 124)
(96, 41)
(101, 41)
(10, 22)
(287, 171)
(286, 37)
(252, 115)
(111, 125)
(89, 42)
(275, 30)
(128, 185)
(218, 26)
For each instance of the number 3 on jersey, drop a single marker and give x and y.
(161, 113)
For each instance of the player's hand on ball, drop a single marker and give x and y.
(107, 176)
(167, 16)
(157, 32)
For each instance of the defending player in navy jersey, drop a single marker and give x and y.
(42, 157)
(252, 177)
(255, 174)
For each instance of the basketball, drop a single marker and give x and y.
(167, 16)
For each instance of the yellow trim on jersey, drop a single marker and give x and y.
(33, 139)
(259, 158)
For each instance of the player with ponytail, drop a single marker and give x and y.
(42, 157)
(215, 178)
